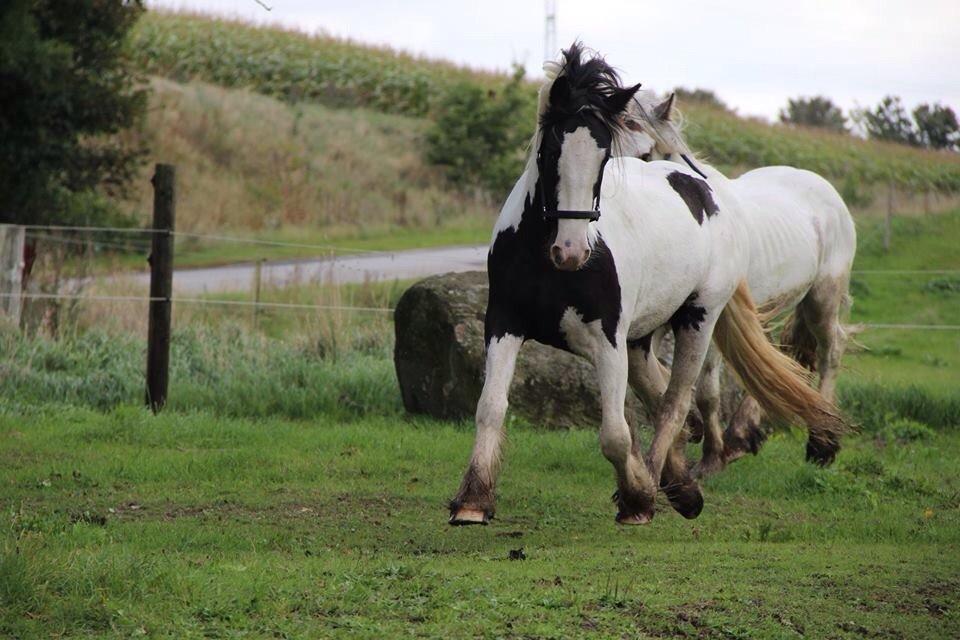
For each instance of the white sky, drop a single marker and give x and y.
(753, 53)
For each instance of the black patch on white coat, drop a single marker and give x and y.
(696, 193)
(643, 342)
(529, 296)
(689, 315)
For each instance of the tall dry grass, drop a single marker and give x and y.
(249, 162)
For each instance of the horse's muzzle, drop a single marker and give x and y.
(565, 259)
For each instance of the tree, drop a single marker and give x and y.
(478, 136)
(888, 121)
(66, 91)
(937, 126)
(818, 111)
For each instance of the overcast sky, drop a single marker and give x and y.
(753, 53)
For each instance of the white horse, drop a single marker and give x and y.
(802, 244)
(669, 248)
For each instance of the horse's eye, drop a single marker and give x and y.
(645, 157)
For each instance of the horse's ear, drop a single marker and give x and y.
(552, 69)
(664, 110)
(619, 99)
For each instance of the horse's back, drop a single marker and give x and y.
(800, 229)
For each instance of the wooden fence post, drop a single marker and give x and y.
(12, 239)
(888, 222)
(161, 286)
(257, 276)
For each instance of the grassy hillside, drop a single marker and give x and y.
(251, 164)
(324, 70)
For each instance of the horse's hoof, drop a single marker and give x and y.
(822, 452)
(466, 516)
(633, 512)
(687, 499)
(736, 446)
(634, 518)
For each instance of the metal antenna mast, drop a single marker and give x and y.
(550, 31)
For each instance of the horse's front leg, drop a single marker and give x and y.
(475, 502)
(666, 459)
(635, 489)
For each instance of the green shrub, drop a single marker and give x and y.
(478, 135)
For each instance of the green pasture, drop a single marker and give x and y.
(122, 524)
(285, 493)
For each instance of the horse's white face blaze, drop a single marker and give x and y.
(578, 170)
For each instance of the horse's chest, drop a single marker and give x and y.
(530, 298)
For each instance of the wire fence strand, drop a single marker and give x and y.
(200, 301)
(323, 307)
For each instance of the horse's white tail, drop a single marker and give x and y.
(779, 383)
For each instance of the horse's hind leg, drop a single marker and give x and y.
(708, 401)
(474, 503)
(821, 309)
(745, 433)
(649, 382)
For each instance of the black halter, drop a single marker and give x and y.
(570, 214)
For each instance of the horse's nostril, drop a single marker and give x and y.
(586, 255)
(556, 254)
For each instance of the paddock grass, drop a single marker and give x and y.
(898, 356)
(284, 493)
(189, 525)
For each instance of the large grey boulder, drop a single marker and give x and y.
(439, 357)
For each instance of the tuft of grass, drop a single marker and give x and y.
(226, 369)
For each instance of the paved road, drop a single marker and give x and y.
(399, 265)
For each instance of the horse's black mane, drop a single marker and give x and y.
(582, 84)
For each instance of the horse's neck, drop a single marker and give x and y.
(524, 201)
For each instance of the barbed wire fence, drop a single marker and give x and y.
(157, 243)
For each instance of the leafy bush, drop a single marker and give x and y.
(937, 126)
(818, 111)
(889, 121)
(478, 136)
(944, 286)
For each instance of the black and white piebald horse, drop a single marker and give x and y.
(593, 256)
(802, 244)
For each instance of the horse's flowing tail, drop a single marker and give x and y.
(779, 383)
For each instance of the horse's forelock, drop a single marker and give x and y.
(589, 80)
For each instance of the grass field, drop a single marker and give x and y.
(893, 356)
(284, 493)
(221, 519)
(122, 524)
